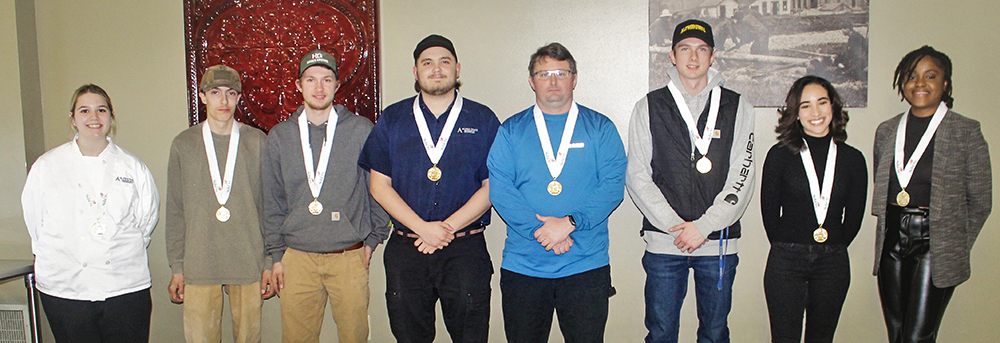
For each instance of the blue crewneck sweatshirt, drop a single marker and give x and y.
(593, 182)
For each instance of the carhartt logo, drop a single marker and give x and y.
(469, 130)
(693, 27)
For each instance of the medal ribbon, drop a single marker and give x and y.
(821, 199)
(904, 172)
(701, 142)
(435, 151)
(557, 161)
(224, 186)
(98, 199)
(316, 176)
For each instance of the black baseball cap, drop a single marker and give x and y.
(693, 28)
(432, 41)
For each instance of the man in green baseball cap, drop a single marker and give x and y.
(320, 231)
(214, 243)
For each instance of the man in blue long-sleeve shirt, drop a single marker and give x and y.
(557, 170)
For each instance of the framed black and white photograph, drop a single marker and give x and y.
(762, 46)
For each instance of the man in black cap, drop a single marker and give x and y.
(691, 173)
(427, 158)
(320, 223)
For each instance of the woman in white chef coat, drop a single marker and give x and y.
(90, 207)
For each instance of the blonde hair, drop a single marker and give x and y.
(91, 88)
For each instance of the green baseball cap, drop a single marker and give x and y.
(317, 58)
(221, 75)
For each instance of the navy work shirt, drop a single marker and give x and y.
(394, 149)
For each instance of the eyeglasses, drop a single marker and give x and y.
(560, 74)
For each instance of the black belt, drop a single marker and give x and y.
(472, 229)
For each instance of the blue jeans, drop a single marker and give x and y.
(666, 286)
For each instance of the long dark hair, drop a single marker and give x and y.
(789, 128)
(909, 63)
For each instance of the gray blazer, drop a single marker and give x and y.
(961, 193)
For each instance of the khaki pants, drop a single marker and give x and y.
(203, 312)
(312, 278)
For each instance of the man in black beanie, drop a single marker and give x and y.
(427, 157)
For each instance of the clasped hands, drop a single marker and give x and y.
(433, 236)
(554, 233)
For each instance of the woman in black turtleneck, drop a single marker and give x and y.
(808, 270)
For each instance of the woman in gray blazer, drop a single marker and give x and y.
(933, 192)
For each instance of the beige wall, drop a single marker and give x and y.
(135, 50)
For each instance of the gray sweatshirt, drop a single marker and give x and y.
(350, 215)
(651, 202)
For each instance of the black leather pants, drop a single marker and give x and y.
(912, 306)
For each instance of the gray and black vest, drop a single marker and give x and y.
(688, 191)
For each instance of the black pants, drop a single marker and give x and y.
(580, 301)
(124, 318)
(912, 306)
(806, 278)
(459, 275)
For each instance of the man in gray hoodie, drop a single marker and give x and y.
(320, 223)
(691, 173)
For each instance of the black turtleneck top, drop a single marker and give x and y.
(786, 203)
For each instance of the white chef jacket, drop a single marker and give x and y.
(65, 194)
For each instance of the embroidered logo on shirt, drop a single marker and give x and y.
(124, 179)
(469, 130)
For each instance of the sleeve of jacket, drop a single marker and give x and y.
(639, 175)
(274, 200)
(379, 219)
(176, 228)
(978, 182)
(31, 200)
(740, 179)
(149, 202)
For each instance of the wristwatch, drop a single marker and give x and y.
(571, 220)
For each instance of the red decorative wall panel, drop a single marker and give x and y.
(264, 40)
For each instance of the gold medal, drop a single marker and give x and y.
(903, 198)
(555, 187)
(434, 173)
(315, 207)
(704, 165)
(222, 214)
(820, 235)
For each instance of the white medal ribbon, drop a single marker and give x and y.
(555, 162)
(97, 198)
(435, 151)
(317, 175)
(701, 142)
(224, 186)
(905, 171)
(821, 199)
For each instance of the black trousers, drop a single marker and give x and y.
(459, 275)
(912, 306)
(580, 301)
(805, 278)
(124, 318)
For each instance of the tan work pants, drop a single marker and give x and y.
(311, 279)
(203, 312)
